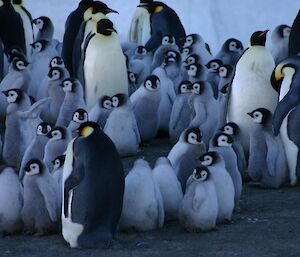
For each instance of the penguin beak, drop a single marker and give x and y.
(34, 21)
(112, 30)
(250, 114)
(49, 135)
(111, 11)
(264, 33)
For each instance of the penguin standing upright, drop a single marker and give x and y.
(294, 41)
(251, 87)
(89, 216)
(164, 21)
(104, 58)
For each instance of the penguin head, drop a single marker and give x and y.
(119, 100)
(198, 87)
(13, 95)
(152, 83)
(80, 116)
(209, 158)
(88, 128)
(260, 116)
(191, 59)
(145, 2)
(153, 7)
(68, 84)
(186, 51)
(100, 7)
(193, 136)
(230, 128)
(43, 129)
(56, 61)
(185, 87)
(222, 140)
(105, 102)
(225, 71)
(34, 167)
(19, 64)
(192, 39)
(141, 50)
(194, 70)
(214, 65)
(259, 38)
(58, 162)
(168, 40)
(201, 173)
(225, 89)
(42, 22)
(132, 78)
(40, 45)
(57, 133)
(55, 73)
(15, 52)
(281, 31)
(172, 57)
(233, 45)
(105, 27)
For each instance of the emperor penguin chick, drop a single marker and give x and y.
(280, 43)
(199, 208)
(79, 116)
(121, 126)
(101, 110)
(169, 186)
(143, 211)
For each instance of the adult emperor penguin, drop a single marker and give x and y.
(27, 24)
(280, 42)
(89, 216)
(251, 87)
(11, 201)
(103, 51)
(140, 28)
(285, 79)
(72, 26)
(164, 21)
(294, 42)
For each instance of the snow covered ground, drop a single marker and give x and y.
(215, 20)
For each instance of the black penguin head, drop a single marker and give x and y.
(100, 7)
(201, 173)
(191, 59)
(86, 2)
(259, 38)
(18, 2)
(105, 27)
(88, 128)
(57, 133)
(209, 158)
(192, 39)
(13, 95)
(231, 128)
(152, 83)
(69, 84)
(168, 40)
(154, 7)
(172, 57)
(145, 2)
(43, 129)
(34, 167)
(198, 87)
(58, 162)
(19, 64)
(225, 71)
(186, 51)
(80, 116)
(283, 31)
(194, 70)
(141, 50)
(214, 65)
(132, 78)
(119, 100)
(42, 22)
(260, 116)
(232, 45)
(56, 61)
(193, 136)
(6, 1)
(222, 140)
(40, 45)
(15, 52)
(55, 73)
(105, 102)
(185, 87)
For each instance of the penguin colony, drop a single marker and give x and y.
(69, 111)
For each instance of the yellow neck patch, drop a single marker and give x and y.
(88, 14)
(158, 9)
(278, 71)
(87, 131)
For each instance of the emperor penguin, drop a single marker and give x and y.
(72, 27)
(11, 201)
(36, 149)
(146, 101)
(223, 184)
(143, 211)
(280, 43)
(170, 188)
(222, 143)
(58, 166)
(121, 126)
(93, 189)
(184, 153)
(199, 209)
(181, 111)
(40, 212)
(213, 75)
(103, 51)
(27, 24)
(140, 28)
(163, 21)
(45, 28)
(73, 100)
(285, 79)
(196, 72)
(251, 86)
(79, 116)
(267, 160)
(101, 110)
(294, 41)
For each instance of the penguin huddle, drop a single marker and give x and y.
(70, 111)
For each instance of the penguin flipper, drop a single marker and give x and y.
(35, 109)
(272, 155)
(77, 50)
(198, 198)
(160, 206)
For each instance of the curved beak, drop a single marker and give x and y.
(111, 11)
(264, 33)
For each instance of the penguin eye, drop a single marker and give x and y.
(191, 60)
(57, 163)
(132, 77)
(189, 40)
(223, 72)
(183, 87)
(186, 51)
(214, 65)
(196, 87)
(67, 84)
(203, 173)
(54, 62)
(40, 129)
(55, 75)
(38, 46)
(76, 115)
(34, 166)
(193, 68)
(144, 51)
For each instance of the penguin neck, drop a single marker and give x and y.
(46, 33)
(172, 70)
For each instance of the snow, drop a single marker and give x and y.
(215, 20)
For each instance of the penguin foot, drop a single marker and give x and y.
(107, 244)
